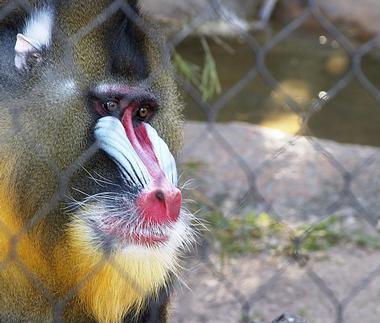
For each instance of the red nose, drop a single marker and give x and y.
(160, 205)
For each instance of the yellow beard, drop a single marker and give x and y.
(111, 285)
(108, 286)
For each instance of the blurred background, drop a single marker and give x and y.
(282, 142)
(281, 157)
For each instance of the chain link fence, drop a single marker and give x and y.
(264, 176)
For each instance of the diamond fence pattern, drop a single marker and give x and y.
(245, 303)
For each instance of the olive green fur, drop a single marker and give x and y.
(46, 132)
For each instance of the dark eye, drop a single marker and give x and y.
(34, 59)
(143, 111)
(111, 106)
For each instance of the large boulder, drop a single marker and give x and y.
(241, 165)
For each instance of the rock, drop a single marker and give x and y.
(192, 8)
(244, 166)
(362, 14)
(223, 18)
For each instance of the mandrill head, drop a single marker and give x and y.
(90, 125)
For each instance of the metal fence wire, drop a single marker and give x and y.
(246, 299)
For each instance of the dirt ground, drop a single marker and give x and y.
(341, 277)
(340, 284)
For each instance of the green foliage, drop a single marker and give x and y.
(242, 235)
(253, 233)
(210, 83)
(205, 79)
(367, 241)
(189, 70)
(331, 232)
(324, 235)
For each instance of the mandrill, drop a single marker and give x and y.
(91, 218)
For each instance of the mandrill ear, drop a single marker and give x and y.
(24, 46)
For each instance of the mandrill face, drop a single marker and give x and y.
(145, 209)
(89, 176)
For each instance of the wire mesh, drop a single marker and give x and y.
(245, 301)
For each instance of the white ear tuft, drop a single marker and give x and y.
(39, 26)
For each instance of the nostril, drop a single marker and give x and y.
(160, 205)
(178, 197)
(160, 195)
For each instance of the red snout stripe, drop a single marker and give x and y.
(160, 203)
